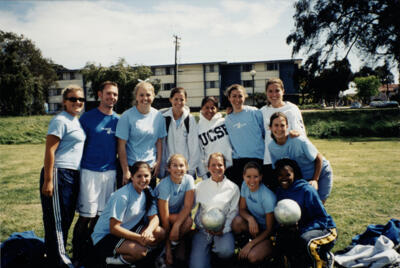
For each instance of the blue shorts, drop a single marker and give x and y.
(325, 181)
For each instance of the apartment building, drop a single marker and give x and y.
(212, 78)
(65, 78)
(199, 80)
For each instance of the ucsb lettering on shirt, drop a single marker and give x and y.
(213, 134)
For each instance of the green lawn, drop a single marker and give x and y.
(366, 185)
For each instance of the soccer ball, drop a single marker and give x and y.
(213, 219)
(287, 212)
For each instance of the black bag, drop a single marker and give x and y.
(23, 249)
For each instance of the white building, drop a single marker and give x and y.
(66, 78)
(200, 80)
(212, 78)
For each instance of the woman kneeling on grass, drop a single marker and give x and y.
(256, 215)
(220, 193)
(314, 167)
(123, 234)
(175, 195)
(309, 241)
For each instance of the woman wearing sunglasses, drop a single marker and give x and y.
(59, 179)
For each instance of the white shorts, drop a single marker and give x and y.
(95, 190)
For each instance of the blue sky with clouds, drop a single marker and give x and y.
(73, 33)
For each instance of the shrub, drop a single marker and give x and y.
(353, 123)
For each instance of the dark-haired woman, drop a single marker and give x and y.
(314, 167)
(213, 136)
(123, 234)
(309, 241)
(274, 91)
(182, 138)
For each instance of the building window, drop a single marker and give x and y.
(168, 86)
(169, 70)
(247, 83)
(247, 67)
(211, 68)
(273, 66)
(54, 107)
(159, 71)
(212, 84)
(71, 76)
(52, 92)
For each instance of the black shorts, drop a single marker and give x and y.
(108, 245)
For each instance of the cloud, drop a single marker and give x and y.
(73, 33)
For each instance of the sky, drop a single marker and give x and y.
(73, 33)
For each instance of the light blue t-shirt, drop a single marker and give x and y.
(72, 139)
(141, 131)
(246, 133)
(299, 149)
(259, 203)
(100, 149)
(174, 193)
(125, 205)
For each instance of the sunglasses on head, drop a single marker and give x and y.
(74, 99)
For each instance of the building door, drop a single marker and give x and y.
(230, 74)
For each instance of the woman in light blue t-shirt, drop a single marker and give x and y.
(129, 225)
(59, 179)
(245, 127)
(314, 167)
(256, 216)
(175, 195)
(140, 130)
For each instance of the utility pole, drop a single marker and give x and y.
(176, 41)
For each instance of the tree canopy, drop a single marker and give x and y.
(25, 76)
(323, 28)
(124, 75)
(327, 84)
(367, 87)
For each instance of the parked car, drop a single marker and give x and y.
(384, 104)
(355, 105)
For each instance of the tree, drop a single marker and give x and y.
(365, 71)
(25, 76)
(328, 83)
(124, 75)
(367, 87)
(385, 76)
(324, 27)
(335, 79)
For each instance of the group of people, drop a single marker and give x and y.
(248, 160)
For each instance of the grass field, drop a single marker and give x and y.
(366, 185)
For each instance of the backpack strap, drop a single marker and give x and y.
(185, 121)
(167, 122)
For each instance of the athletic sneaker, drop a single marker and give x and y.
(118, 261)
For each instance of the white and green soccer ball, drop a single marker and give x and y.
(287, 212)
(213, 219)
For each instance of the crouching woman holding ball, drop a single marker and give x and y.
(256, 215)
(123, 234)
(218, 199)
(309, 241)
